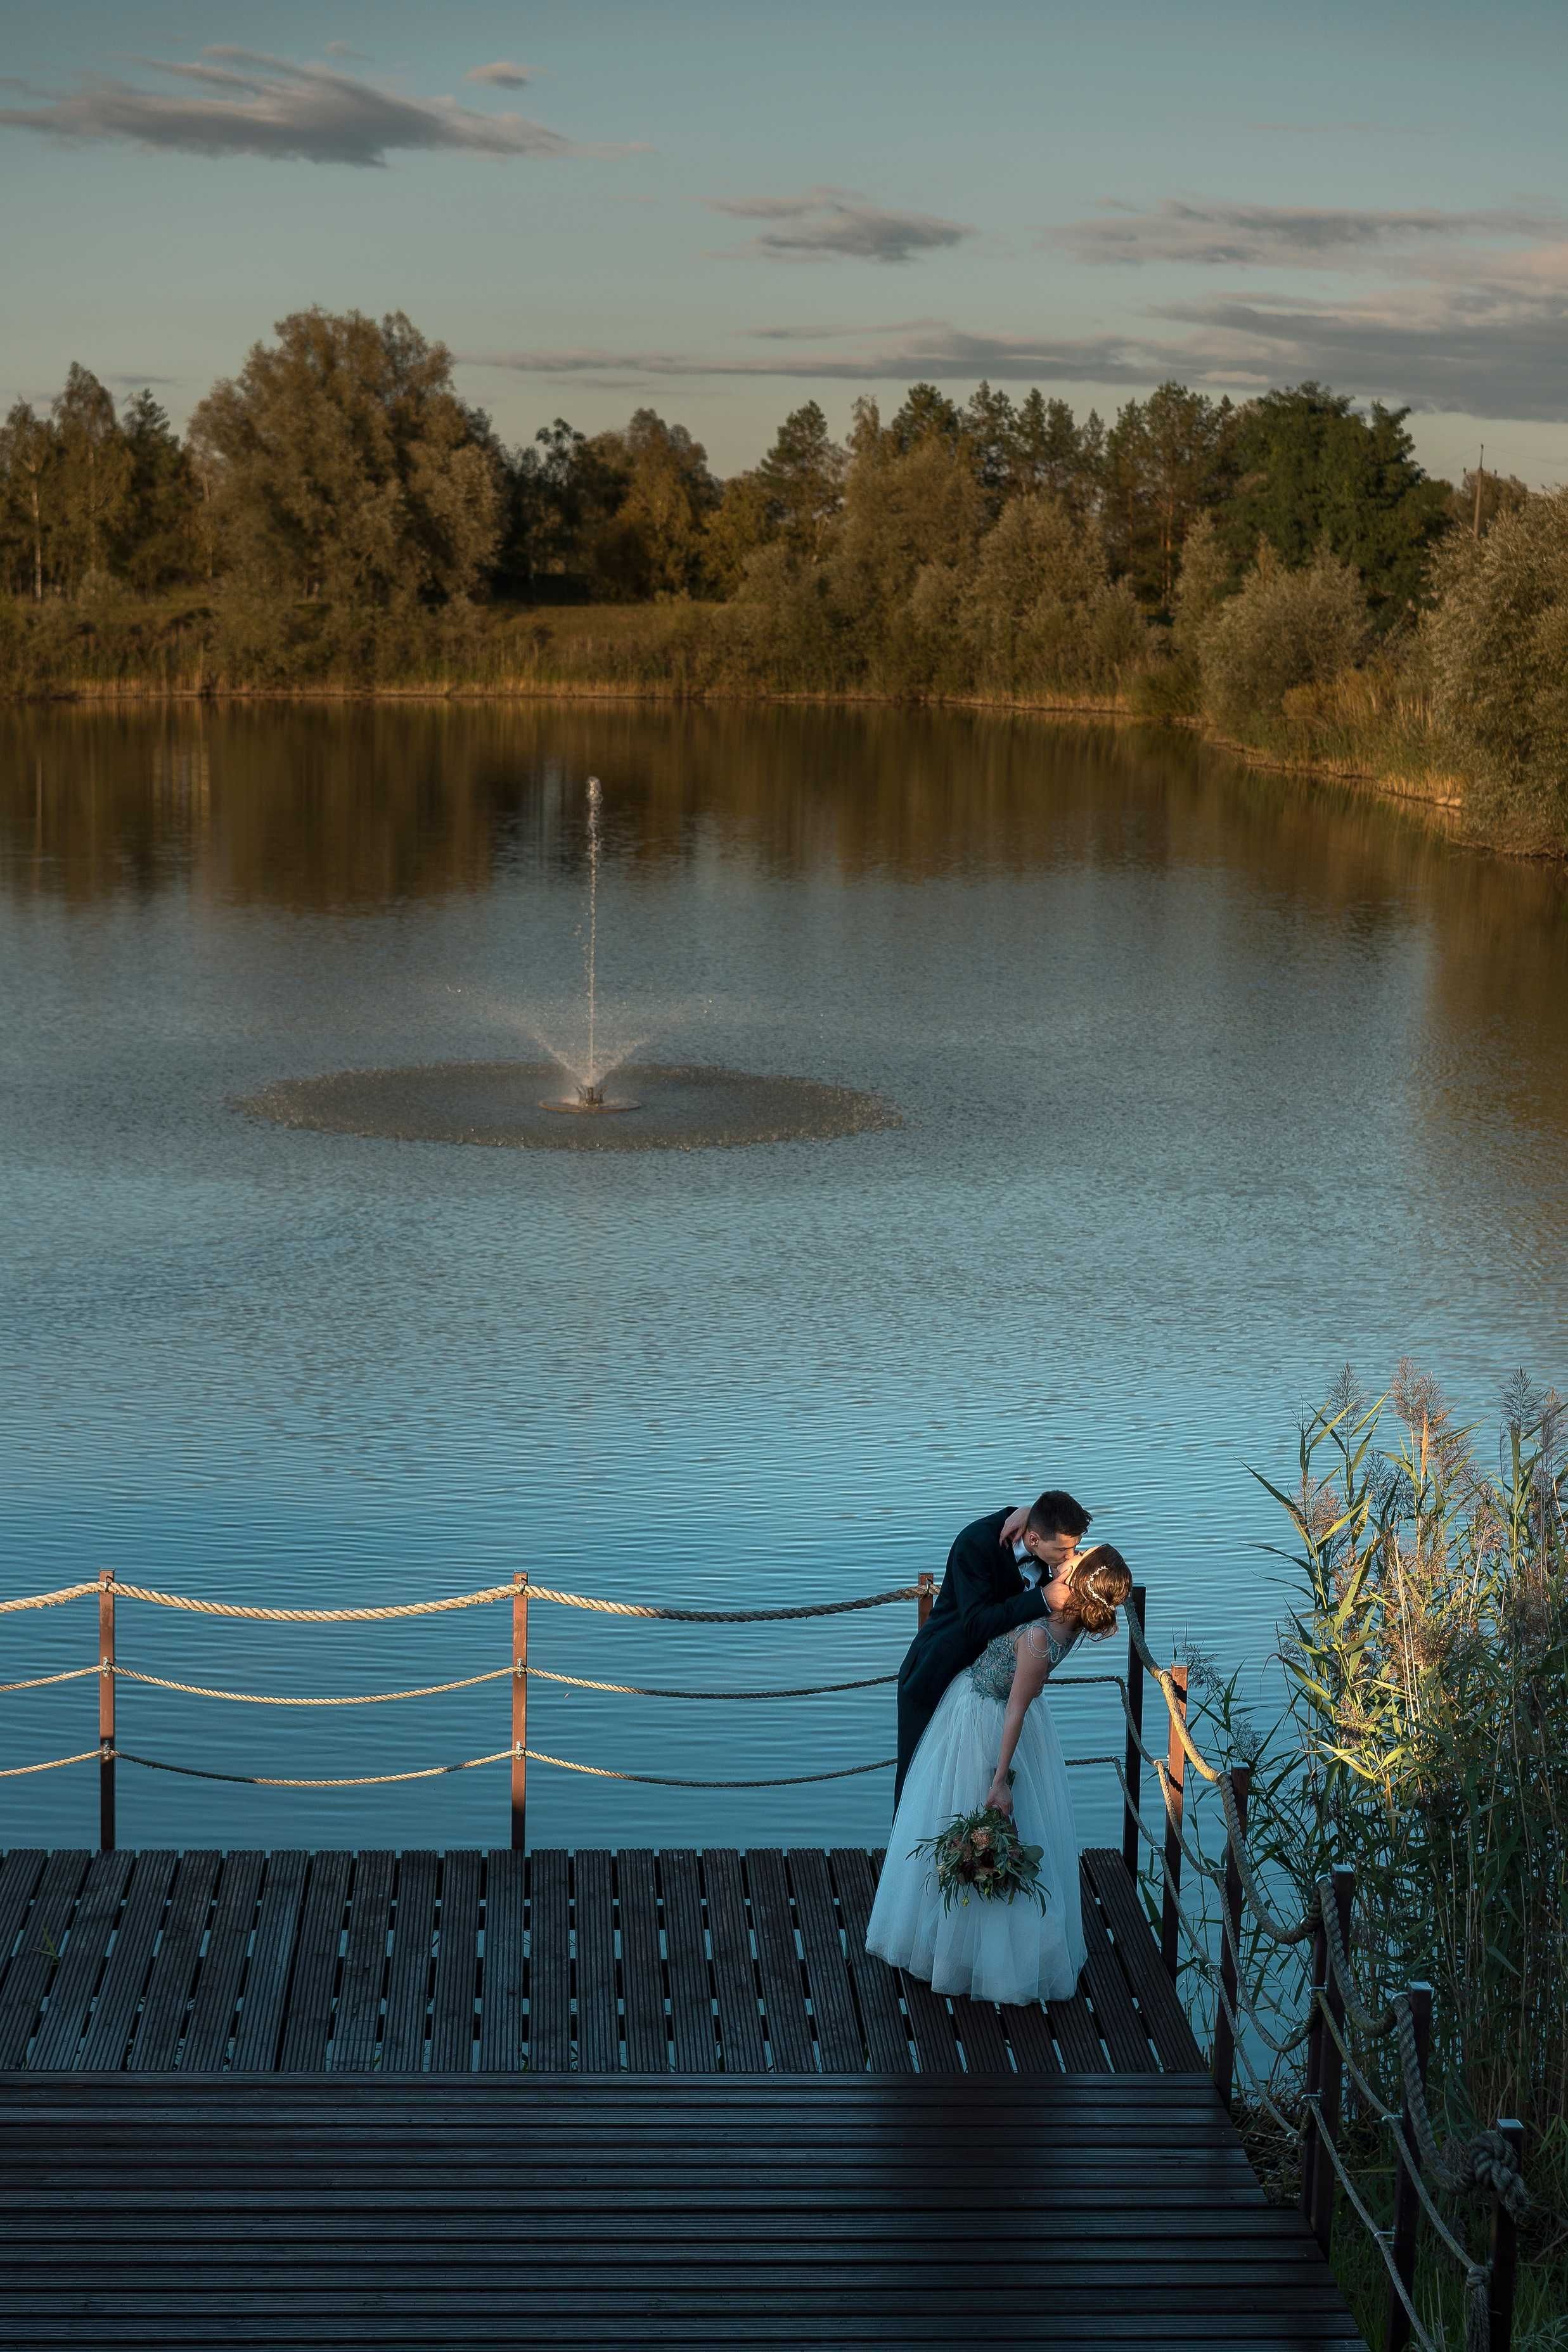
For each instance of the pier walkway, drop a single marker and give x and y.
(345, 2099)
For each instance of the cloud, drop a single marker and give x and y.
(835, 224)
(1226, 235)
(501, 75)
(240, 103)
(1491, 350)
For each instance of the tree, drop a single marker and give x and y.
(802, 478)
(91, 480)
(1042, 611)
(27, 454)
(927, 414)
(1058, 455)
(1283, 629)
(653, 542)
(1165, 465)
(156, 540)
(991, 431)
(346, 468)
(1312, 473)
(1498, 647)
(744, 519)
(1500, 494)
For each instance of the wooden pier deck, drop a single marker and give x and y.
(594, 2099)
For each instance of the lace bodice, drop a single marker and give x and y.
(991, 1673)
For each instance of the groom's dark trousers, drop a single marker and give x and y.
(981, 1595)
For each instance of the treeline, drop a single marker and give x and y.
(1281, 569)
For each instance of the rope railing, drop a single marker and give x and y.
(1486, 2161)
(1336, 2014)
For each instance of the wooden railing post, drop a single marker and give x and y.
(1315, 2038)
(1504, 2252)
(1170, 1934)
(1224, 2064)
(519, 1713)
(1330, 2070)
(1406, 2204)
(1137, 1600)
(927, 1596)
(106, 1708)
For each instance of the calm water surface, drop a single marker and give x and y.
(1210, 1082)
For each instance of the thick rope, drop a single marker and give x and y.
(643, 1690)
(503, 1756)
(1175, 1706)
(468, 1682)
(1380, 2237)
(46, 1600)
(71, 1674)
(275, 1781)
(722, 1616)
(51, 1764)
(266, 1698)
(308, 1616)
(473, 1600)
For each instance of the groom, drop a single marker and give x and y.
(987, 1590)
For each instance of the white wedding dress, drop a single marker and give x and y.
(990, 1949)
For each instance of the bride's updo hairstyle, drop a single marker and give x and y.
(1100, 1582)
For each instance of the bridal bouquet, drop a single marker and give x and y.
(981, 1853)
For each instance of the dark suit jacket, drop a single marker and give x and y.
(981, 1595)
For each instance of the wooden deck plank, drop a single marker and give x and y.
(174, 1971)
(735, 1984)
(695, 2045)
(838, 2037)
(260, 2026)
(778, 1963)
(642, 1969)
(358, 2020)
(41, 1935)
(19, 1875)
(222, 1964)
(1070, 2021)
(502, 2021)
(979, 2029)
(549, 1963)
(1116, 2021)
(409, 1970)
(125, 1975)
(1164, 2019)
(1030, 2035)
(388, 2213)
(313, 1980)
(457, 1965)
(91, 1925)
(598, 2017)
(876, 1988)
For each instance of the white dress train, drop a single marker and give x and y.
(989, 1949)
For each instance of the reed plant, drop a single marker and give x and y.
(1424, 1741)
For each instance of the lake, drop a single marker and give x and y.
(1210, 1080)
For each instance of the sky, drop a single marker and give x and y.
(723, 208)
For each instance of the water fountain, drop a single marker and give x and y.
(589, 1095)
(654, 1107)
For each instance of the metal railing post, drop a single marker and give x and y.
(519, 1713)
(1223, 2062)
(1406, 2204)
(1330, 2070)
(1137, 1602)
(1169, 1927)
(106, 1708)
(1504, 2252)
(926, 1597)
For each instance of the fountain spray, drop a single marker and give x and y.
(593, 1092)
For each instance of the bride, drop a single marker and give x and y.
(986, 1724)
